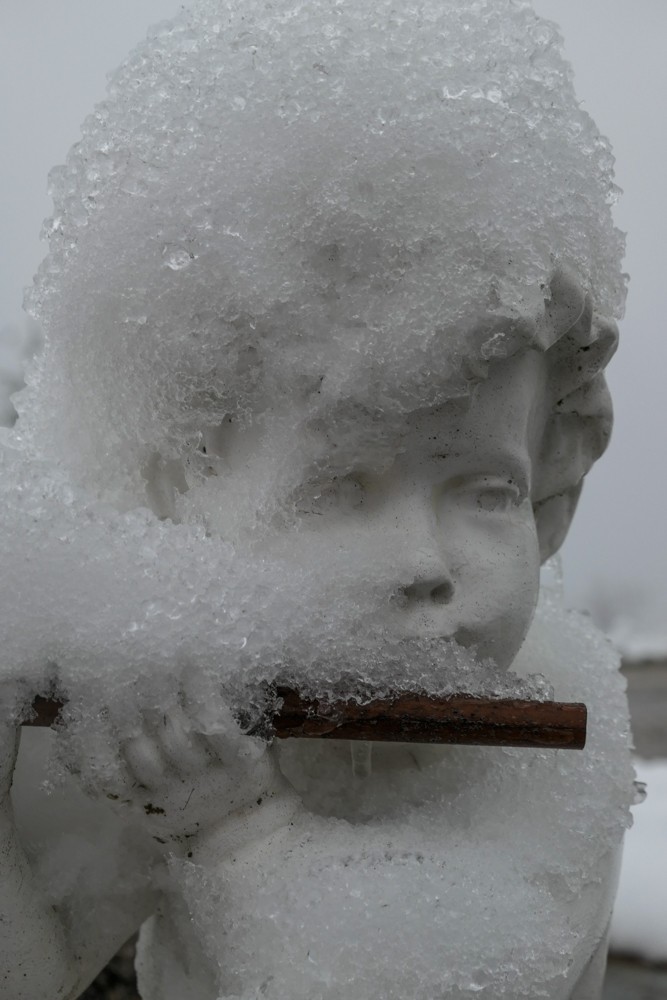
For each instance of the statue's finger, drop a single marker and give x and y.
(145, 761)
(185, 749)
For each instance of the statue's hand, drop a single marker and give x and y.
(177, 783)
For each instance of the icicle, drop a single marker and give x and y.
(361, 753)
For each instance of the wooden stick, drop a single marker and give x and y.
(45, 712)
(415, 718)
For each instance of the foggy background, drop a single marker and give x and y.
(54, 57)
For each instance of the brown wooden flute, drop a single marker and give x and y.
(413, 718)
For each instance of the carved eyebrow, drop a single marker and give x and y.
(518, 458)
(479, 477)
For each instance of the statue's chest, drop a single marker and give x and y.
(464, 893)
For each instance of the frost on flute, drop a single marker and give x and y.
(305, 258)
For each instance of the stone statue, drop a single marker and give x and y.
(327, 308)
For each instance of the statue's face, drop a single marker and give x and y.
(452, 517)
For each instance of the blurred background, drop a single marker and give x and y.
(53, 64)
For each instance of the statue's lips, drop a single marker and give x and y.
(479, 640)
(420, 624)
(425, 630)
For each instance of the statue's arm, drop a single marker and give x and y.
(34, 955)
(172, 789)
(591, 983)
(42, 951)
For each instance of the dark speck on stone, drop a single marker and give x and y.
(152, 810)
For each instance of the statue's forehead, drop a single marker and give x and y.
(500, 414)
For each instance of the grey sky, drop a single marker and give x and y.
(618, 544)
(53, 61)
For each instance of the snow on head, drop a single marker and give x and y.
(314, 201)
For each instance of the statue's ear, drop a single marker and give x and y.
(578, 429)
(553, 517)
(575, 436)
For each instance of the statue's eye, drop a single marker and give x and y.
(349, 492)
(340, 493)
(492, 494)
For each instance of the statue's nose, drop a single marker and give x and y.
(425, 572)
(433, 590)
